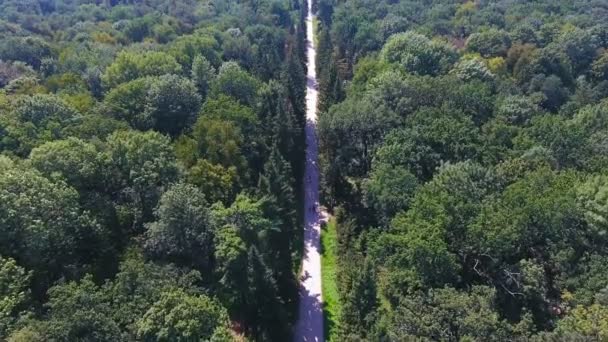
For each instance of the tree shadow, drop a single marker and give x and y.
(310, 318)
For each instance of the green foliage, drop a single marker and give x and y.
(127, 102)
(585, 322)
(203, 74)
(76, 161)
(129, 66)
(490, 43)
(14, 290)
(329, 269)
(235, 82)
(417, 54)
(172, 104)
(177, 316)
(448, 314)
(389, 190)
(143, 164)
(30, 50)
(44, 228)
(182, 232)
(121, 123)
(35, 120)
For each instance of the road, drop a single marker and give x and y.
(309, 326)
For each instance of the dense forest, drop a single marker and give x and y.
(152, 156)
(465, 150)
(150, 169)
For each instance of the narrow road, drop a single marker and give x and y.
(310, 317)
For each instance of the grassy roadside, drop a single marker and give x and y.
(331, 303)
(315, 28)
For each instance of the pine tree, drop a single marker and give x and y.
(267, 318)
(202, 74)
(276, 185)
(358, 297)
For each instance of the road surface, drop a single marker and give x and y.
(309, 326)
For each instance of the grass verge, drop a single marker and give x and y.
(331, 302)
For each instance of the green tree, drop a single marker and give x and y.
(143, 165)
(35, 120)
(359, 299)
(389, 189)
(352, 130)
(129, 66)
(127, 101)
(267, 318)
(235, 82)
(448, 314)
(77, 311)
(231, 264)
(220, 141)
(44, 228)
(139, 284)
(489, 43)
(593, 200)
(172, 103)
(217, 182)
(14, 291)
(203, 74)
(417, 54)
(585, 323)
(78, 162)
(178, 316)
(182, 232)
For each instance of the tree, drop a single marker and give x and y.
(267, 319)
(186, 47)
(352, 130)
(178, 316)
(44, 228)
(127, 101)
(220, 141)
(217, 182)
(489, 43)
(203, 74)
(247, 215)
(471, 69)
(140, 284)
(172, 103)
(129, 66)
(359, 300)
(599, 68)
(277, 185)
(432, 136)
(30, 50)
(389, 189)
(35, 120)
(235, 82)
(537, 213)
(585, 322)
(182, 232)
(14, 291)
(231, 264)
(446, 314)
(78, 162)
(78, 311)
(593, 200)
(417, 54)
(143, 164)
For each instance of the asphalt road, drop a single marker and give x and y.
(310, 320)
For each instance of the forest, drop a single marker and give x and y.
(150, 169)
(152, 160)
(465, 151)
